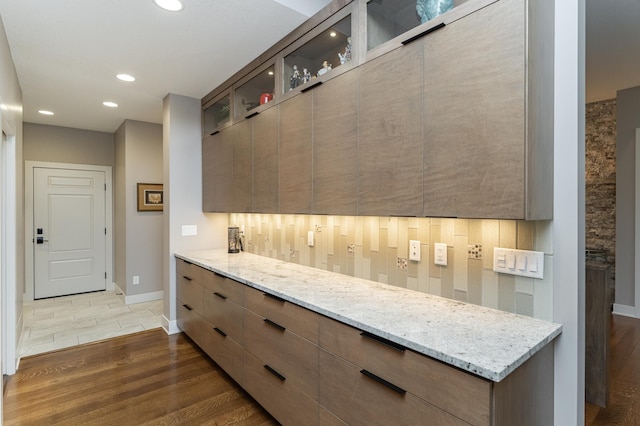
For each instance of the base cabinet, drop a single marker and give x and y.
(307, 369)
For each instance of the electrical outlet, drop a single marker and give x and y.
(310, 239)
(414, 250)
(136, 279)
(292, 253)
(351, 249)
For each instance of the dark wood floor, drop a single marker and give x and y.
(147, 378)
(624, 377)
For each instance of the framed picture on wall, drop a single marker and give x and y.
(150, 197)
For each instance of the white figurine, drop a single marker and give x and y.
(346, 56)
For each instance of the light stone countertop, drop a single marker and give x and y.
(483, 341)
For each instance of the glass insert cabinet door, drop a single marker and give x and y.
(216, 115)
(387, 19)
(328, 50)
(259, 90)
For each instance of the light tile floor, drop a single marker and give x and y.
(61, 322)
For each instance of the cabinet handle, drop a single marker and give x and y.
(275, 373)
(220, 332)
(253, 114)
(187, 262)
(214, 133)
(187, 278)
(424, 33)
(221, 296)
(218, 274)
(393, 345)
(313, 86)
(271, 296)
(188, 308)
(274, 324)
(383, 382)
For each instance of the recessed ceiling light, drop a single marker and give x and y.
(110, 104)
(126, 77)
(45, 112)
(270, 73)
(170, 5)
(332, 34)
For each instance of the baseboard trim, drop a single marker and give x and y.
(624, 310)
(170, 327)
(138, 298)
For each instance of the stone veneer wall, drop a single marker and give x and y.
(377, 248)
(600, 179)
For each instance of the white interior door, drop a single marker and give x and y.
(69, 228)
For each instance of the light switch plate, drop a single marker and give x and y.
(440, 254)
(524, 263)
(189, 230)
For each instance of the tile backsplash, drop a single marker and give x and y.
(377, 248)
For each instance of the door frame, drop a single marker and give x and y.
(637, 228)
(28, 228)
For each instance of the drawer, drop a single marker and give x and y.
(223, 313)
(188, 269)
(358, 399)
(189, 322)
(294, 357)
(190, 292)
(227, 353)
(224, 286)
(279, 397)
(299, 320)
(462, 394)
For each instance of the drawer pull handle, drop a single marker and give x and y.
(383, 382)
(313, 86)
(253, 114)
(220, 332)
(221, 296)
(274, 324)
(218, 274)
(275, 373)
(188, 278)
(393, 345)
(424, 33)
(274, 297)
(188, 308)
(214, 133)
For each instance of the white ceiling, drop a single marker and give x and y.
(67, 52)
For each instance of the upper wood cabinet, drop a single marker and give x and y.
(265, 161)
(390, 139)
(448, 118)
(476, 152)
(295, 155)
(335, 145)
(217, 172)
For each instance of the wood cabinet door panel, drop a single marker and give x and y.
(225, 286)
(265, 161)
(390, 134)
(217, 172)
(461, 394)
(242, 167)
(474, 100)
(291, 355)
(189, 292)
(335, 145)
(224, 314)
(280, 398)
(189, 270)
(360, 400)
(299, 320)
(295, 155)
(226, 352)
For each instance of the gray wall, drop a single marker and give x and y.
(11, 125)
(66, 145)
(628, 119)
(138, 234)
(182, 146)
